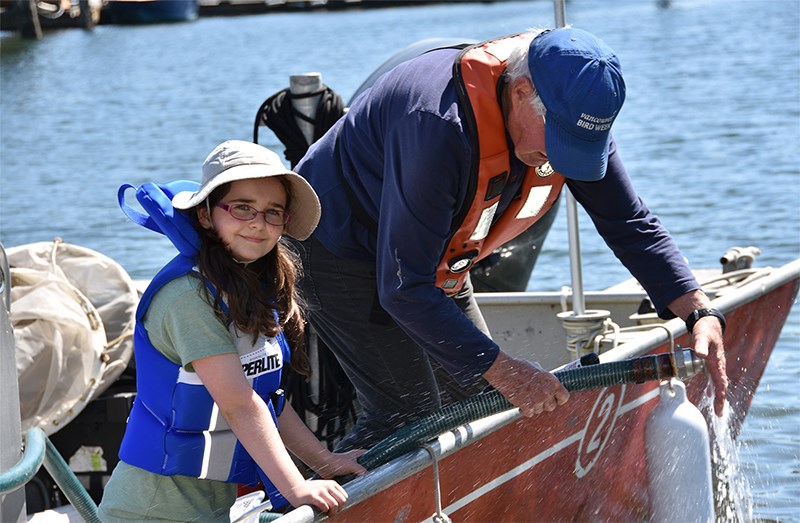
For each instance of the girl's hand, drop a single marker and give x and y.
(326, 495)
(341, 464)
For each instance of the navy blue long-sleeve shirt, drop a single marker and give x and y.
(405, 154)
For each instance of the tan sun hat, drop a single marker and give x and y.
(239, 160)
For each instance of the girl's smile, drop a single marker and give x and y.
(263, 200)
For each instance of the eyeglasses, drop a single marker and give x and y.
(245, 213)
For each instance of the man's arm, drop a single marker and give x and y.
(425, 174)
(635, 235)
(645, 247)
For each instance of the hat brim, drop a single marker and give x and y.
(573, 157)
(304, 208)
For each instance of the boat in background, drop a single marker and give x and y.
(31, 17)
(241, 7)
(149, 11)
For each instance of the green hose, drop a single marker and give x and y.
(69, 484)
(409, 437)
(40, 450)
(266, 517)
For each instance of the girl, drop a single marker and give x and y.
(210, 343)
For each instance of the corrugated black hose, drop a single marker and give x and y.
(409, 437)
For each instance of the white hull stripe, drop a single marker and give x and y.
(638, 402)
(522, 468)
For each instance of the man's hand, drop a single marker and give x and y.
(526, 385)
(707, 342)
(336, 464)
(706, 339)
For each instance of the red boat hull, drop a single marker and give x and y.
(585, 461)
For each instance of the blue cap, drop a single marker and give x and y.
(579, 79)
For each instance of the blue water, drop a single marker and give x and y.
(710, 133)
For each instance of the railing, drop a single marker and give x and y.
(40, 450)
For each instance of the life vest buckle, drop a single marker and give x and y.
(496, 185)
(277, 398)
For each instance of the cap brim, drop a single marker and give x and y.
(574, 157)
(304, 209)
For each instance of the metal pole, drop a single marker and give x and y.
(12, 504)
(573, 232)
(578, 304)
(561, 16)
(305, 84)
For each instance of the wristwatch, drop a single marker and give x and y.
(700, 313)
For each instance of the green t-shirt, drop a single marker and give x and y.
(183, 327)
(134, 494)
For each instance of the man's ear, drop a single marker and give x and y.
(522, 89)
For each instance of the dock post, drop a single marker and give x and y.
(28, 19)
(29, 25)
(87, 16)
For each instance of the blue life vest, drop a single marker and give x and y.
(174, 426)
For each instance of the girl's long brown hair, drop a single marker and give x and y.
(255, 289)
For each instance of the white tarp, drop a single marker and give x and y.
(73, 313)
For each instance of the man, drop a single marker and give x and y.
(444, 158)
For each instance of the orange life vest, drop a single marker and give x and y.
(477, 71)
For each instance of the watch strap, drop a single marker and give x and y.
(701, 313)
